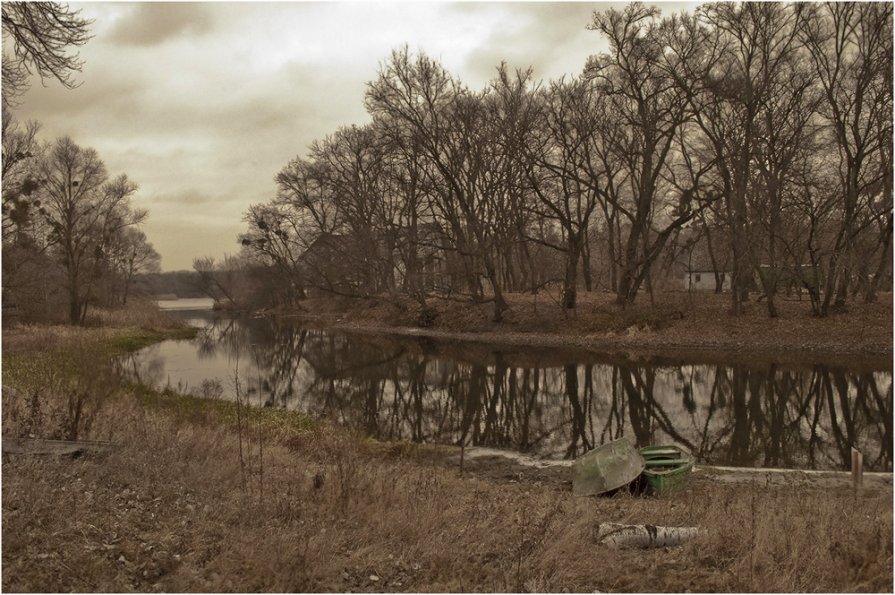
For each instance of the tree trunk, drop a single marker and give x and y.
(74, 309)
(885, 257)
(570, 283)
(719, 276)
(842, 287)
(500, 304)
(770, 293)
(771, 284)
(768, 277)
(585, 264)
(739, 271)
(626, 285)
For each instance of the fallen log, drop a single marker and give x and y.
(34, 446)
(642, 536)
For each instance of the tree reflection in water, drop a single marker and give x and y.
(806, 417)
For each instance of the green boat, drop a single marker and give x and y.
(606, 468)
(667, 469)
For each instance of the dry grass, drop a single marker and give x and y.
(58, 379)
(168, 511)
(139, 313)
(189, 503)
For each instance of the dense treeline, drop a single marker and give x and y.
(756, 134)
(182, 284)
(70, 230)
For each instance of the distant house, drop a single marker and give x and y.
(698, 265)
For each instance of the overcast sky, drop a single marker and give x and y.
(202, 104)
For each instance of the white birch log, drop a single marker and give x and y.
(643, 536)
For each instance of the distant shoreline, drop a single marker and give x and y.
(701, 331)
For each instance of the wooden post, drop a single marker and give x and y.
(857, 469)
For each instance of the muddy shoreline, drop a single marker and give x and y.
(496, 465)
(638, 345)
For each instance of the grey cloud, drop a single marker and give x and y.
(551, 37)
(109, 92)
(154, 23)
(538, 35)
(180, 240)
(190, 197)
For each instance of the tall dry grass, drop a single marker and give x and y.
(198, 497)
(172, 509)
(139, 313)
(56, 379)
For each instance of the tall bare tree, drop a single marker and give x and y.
(84, 210)
(850, 49)
(745, 50)
(129, 254)
(352, 161)
(637, 77)
(451, 125)
(564, 171)
(274, 238)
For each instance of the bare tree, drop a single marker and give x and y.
(563, 170)
(451, 123)
(850, 49)
(129, 254)
(637, 77)
(19, 142)
(84, 210)
(20, 148)
(41, 35)
(313, 224)
(745, 49)
(273, 238)
(352, 161)
(222, 281)
(786, 130)
(406, 180)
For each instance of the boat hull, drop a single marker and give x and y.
(606, 468)
(667, 468)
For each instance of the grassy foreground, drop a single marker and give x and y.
(202, 496)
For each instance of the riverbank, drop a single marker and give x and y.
(679, 323)
(201, 495)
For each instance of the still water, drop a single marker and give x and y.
(536, 401)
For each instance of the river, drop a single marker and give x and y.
(541, 402)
